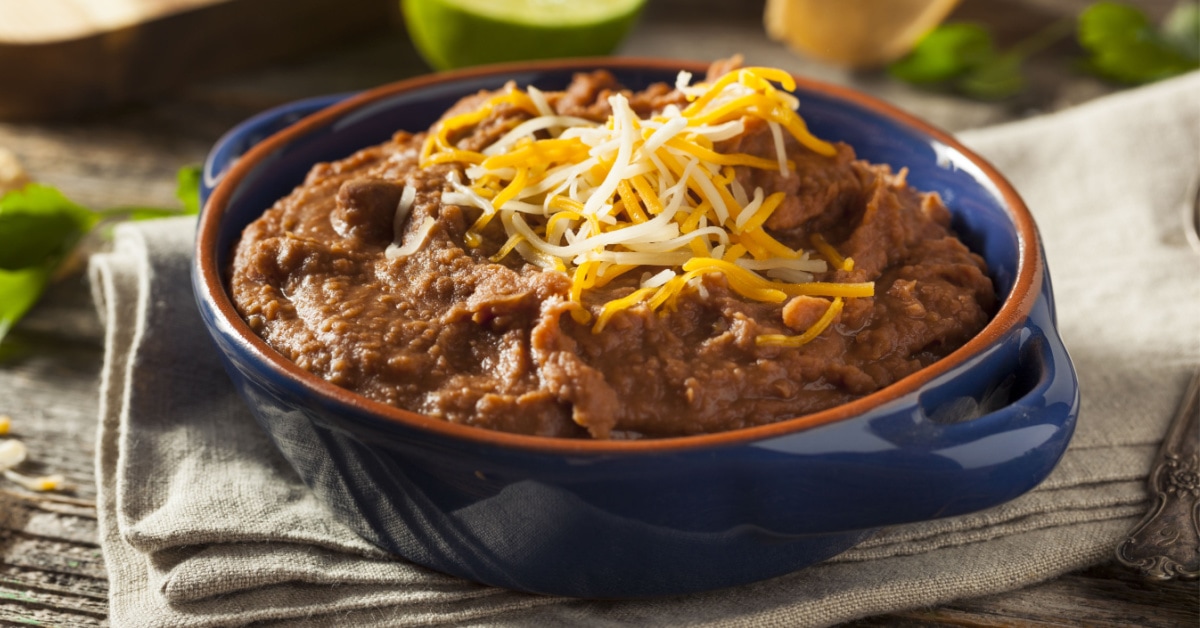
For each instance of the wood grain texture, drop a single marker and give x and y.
(51, 570)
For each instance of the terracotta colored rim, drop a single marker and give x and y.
(1015, 310)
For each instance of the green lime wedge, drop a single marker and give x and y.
(457, 33)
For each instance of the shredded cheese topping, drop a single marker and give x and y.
(649, 195)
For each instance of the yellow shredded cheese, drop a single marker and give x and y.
(809, 334)
(598, 201)
(829, 253)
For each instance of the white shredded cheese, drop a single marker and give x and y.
(780, 151)
(683, 80)
(658, 279)
(529, 127)
(415, 241)
(749, 209)
(668, 130)
(539, 101)
(403, 209)
(592, 199)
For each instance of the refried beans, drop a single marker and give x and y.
(452, 330)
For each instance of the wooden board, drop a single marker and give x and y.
(65, 57)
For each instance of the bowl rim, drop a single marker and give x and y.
(211, 288)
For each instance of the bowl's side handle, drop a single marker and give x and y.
(1016, 425)
(241, 138)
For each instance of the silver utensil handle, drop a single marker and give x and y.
(1166, 543)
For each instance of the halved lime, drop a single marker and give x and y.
(458, 33)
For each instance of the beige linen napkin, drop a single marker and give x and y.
(204, 524)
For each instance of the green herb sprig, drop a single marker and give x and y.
(40, 227)
(1125, 47)
(1120, 42)
(964, 58)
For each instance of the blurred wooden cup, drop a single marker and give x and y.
(854, 34)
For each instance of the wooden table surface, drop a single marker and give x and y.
(51, 569)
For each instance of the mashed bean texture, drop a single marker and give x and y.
(448, 333)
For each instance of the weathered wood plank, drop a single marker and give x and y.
(49, 386)
(51, 597)
(66, 314)
(35, 520)
(34, 598)
(36, 552)
(21, 613)
(51, 571)
(63, 583)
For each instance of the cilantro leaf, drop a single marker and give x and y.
(39, 227)
(143, 213)
(1126, 48)
(947, 52)
(19, 290)
(39, 224)
(187, 189)
(962, 57)
(1122, 43)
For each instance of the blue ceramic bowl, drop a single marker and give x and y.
(657, 517)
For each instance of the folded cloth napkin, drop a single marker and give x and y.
(204, 524)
